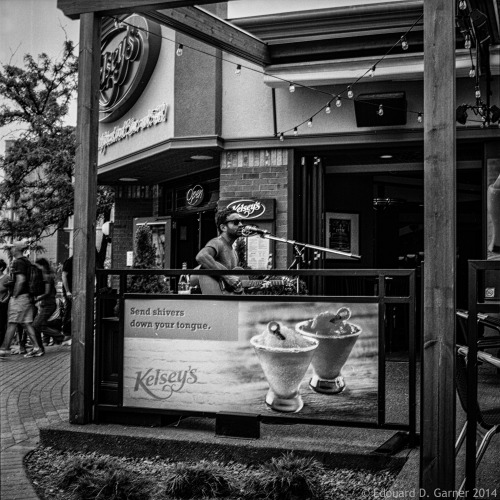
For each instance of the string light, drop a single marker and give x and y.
(468, 43)
(419, 118)
(472, 72)
(462, 5)
(117, 24)
(282, 137)
(328, 109)
(380, 111)
(292, 86)
(478, 92)
(295, 131)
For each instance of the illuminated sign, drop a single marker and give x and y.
(195, 196)
(254, 209)
(129, 52)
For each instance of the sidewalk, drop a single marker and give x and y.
(33, 393)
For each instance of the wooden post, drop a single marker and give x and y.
(437, 464)
(84, 253)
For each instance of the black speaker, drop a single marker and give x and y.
(378, 110)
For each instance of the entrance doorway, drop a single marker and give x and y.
(190, 232)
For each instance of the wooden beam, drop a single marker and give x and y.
(212, 30)
(73, 8)
(437, 464)
(84, 250)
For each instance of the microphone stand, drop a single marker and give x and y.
(298, 248)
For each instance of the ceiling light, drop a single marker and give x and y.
(201, 157)
(128, 179)
(386, 157)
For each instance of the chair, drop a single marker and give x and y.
(487, 420)
(483, 320)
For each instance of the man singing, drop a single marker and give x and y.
(218, 253)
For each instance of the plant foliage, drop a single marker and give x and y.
(145, 258)
(38, 166)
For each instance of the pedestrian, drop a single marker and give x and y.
(4, 298)
(21, 309)
(67, 280)
(46, 302)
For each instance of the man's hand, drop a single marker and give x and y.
(233, 283)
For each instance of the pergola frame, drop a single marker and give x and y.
(437, 464)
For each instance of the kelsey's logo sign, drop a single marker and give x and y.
(161, 384)
(195, 196)
(129, 52)
(254, 209)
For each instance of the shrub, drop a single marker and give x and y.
(145, 258)
(286, 478)
(103, 479)
(200, 480)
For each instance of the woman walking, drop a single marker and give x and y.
(45, 303)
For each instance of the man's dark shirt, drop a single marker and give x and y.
(21, 266)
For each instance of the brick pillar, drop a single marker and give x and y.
(259, 173)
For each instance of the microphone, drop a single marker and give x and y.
(254, 229)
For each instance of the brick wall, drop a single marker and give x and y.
(259, 173)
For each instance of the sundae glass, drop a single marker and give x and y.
(336, 339)
(284, 356)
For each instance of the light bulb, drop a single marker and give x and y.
(328, 109)
(117, 24)
(350, 93)
(419, 118)
(467, 43)
(310, 122)
(291, 87)
(462, 5)
(282, 137)
(371, 72)
(404, 43)
(179, 50)
(478, 93)
(472, 72)
(380, 111)
(338, 102)
(295, 131)
(238, 69)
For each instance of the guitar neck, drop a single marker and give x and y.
(259, 283)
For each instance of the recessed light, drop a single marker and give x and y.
(128, 179)
(201, 157)
(386, 157)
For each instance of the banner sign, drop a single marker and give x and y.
(313, 358)
(253, 209)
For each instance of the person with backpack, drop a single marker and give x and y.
(21, 309)
(44, 289)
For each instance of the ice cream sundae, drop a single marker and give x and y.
(336, 338)
(284, 356)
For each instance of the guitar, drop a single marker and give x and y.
(214, 285)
